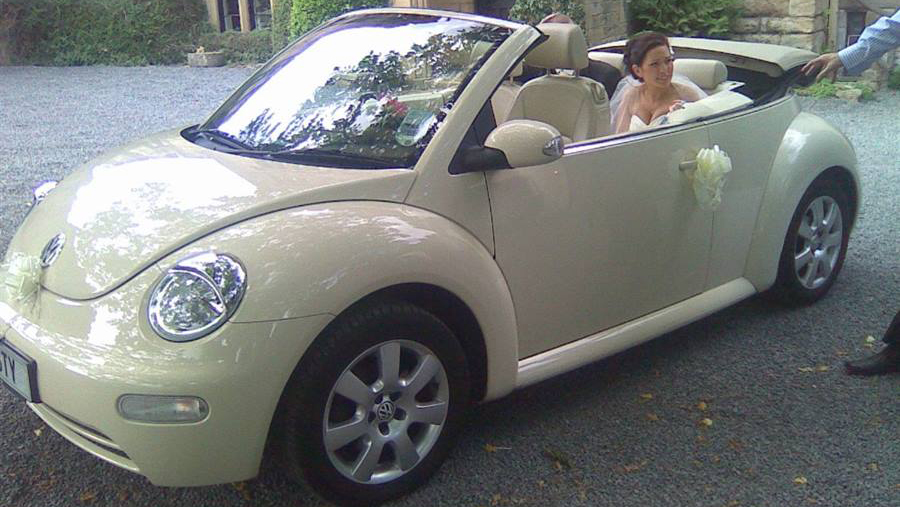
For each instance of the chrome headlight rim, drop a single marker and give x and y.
(192, 266)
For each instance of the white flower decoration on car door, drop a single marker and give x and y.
(709, 177)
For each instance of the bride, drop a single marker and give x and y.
(652, 90)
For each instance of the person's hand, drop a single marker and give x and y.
(678, 104)
(826, 65)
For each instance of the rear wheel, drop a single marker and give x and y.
(815, 244)
(373, 409)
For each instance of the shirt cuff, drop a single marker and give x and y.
(848, 59)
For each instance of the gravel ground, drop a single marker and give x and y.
(590, 437)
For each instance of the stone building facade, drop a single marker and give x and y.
(798, 23)
(817, 25)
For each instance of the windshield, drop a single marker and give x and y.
(370, 89)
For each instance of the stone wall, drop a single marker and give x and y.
(605, 20)
(797, 23)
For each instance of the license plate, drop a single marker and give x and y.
(18, 371)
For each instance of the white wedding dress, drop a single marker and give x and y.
(625, 99)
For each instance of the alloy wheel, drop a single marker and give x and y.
(386, 411)
(819, 242)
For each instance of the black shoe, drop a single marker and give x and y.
(886, 361)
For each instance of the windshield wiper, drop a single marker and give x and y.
(331, 157)
(221, 138)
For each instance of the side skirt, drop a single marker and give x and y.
(573, 355)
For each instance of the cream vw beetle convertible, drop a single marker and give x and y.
(381, 227)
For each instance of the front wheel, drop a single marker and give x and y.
(373, 409)
(815, 244)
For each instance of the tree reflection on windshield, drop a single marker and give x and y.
(373, 86)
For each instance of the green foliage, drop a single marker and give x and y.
(308, 14)
(826, 88)
(244, 48)
(819, 90)
(281, 24)
(112, 32)
(894, 79)
(532, 11)
(692, 18)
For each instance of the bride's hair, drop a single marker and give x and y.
(637, 47)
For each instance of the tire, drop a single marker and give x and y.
(815, 244)
(342, 404)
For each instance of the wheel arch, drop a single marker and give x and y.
(449, 309)
(810, 149)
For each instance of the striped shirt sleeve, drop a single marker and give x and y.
(876, 40)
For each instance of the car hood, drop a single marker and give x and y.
(131, 207)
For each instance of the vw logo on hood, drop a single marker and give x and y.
(51, 252)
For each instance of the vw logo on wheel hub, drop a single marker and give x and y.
(52, 250)
(385, 411)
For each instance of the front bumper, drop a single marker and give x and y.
(90, 353)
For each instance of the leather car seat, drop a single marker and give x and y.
(577, 106)
(709, 75)
(505, 96)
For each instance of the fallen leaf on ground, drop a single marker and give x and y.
(800, 480)
(806, 369)
(652, 417)
(706, 422)
(38, 431)
(497, 499)
(873, 467)
(87, 497)
(647, 396)
(490, 448)
(634, 467)
(840, 353)
(821, 368)
(560, 461)
(735, 444)
(123, 495)
(541, 483)
(870, 339)
(242, 488)
(702, 406)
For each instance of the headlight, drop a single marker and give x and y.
(196, 296)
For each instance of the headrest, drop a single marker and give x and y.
(565, 48)
(615, 59)
(706, 74)
(518, 70)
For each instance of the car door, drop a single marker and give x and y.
(609, 232)
(750, 138)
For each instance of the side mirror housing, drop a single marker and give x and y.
(526, 142)
(516, 143)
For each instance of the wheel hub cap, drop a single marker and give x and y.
(384, 412)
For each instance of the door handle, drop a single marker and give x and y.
(687, 165)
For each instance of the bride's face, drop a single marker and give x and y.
(656, 69)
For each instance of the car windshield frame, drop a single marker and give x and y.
(380, 110)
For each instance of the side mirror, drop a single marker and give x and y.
(526, 143)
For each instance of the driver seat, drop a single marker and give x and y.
(577, 106)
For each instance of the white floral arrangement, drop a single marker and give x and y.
(20, 277)
(709, 177)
